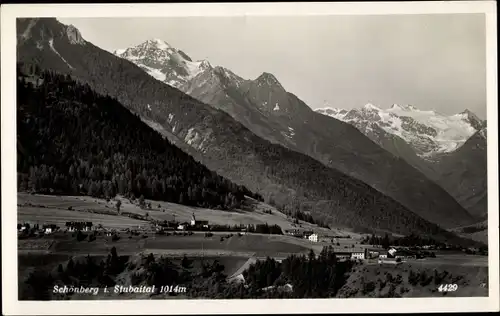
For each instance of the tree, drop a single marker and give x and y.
(118, 205)
(385, 241)
(186, 263)
(142, 203)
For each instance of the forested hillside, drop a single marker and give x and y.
(72, 140)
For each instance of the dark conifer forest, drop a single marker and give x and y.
(74, 141)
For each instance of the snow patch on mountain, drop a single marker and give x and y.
(428, 132)
(119, 52)
(155, 73)
(161, 44)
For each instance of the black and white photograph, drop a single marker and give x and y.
(253, 153)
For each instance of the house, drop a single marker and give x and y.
(373, 253)
(292, 232)
(49, 229)
(391, 252)
(74, 226)
(168, 224)
(404, 254)
(307, 233)
(350, 253)
(198, 223)
(383, 254)
(359, 254)
(183, 226)
(23, 227)
(313, 237)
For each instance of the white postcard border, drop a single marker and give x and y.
(359, 305)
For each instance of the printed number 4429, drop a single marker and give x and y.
(448, 287)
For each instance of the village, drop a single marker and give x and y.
(350, 251)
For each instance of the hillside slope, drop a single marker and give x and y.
(76, 141)
(464, 173)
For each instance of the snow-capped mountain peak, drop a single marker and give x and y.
(164, 62)
(161, 44)
(427, 131)
(403, 107)
(371, 107)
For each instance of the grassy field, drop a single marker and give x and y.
(195, 245)
(55, 208)
(453, 260)
(50, 215)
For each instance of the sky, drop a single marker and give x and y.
(434, 62)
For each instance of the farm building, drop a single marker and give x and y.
(23, 227)
(183, 226)
(198, 223)
(293, 232)
(404, 254)
(313, 237)
(383, 254)
(49, 229)
(75, 226)
(376, 253)
(307, 233)
(168, 224)
(351, 253)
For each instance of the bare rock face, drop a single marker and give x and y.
(74, 35)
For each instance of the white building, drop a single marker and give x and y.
(48, 230)
(358, 255)
(313, 238)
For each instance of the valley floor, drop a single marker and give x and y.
(235, 251)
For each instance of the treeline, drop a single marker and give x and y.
(412, 240)
(309, 276)
(74, 141)
(298, 215)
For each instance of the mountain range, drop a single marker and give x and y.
(268, 110)
(449, 149)
(318, 164)
(427, 132)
